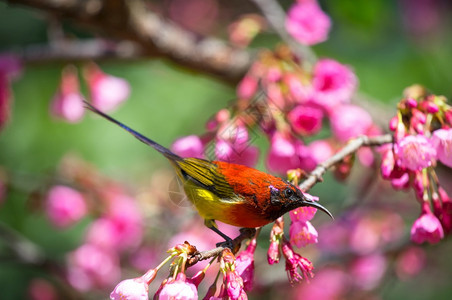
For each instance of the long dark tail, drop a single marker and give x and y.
(165, 151)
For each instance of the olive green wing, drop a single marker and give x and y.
(205, 174)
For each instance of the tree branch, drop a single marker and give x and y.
(131, 20)
(316, 175)
(245, 233)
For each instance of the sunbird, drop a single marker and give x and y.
(230, 193)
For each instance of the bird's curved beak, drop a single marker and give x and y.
(318, 206)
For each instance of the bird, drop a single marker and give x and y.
(230, 193)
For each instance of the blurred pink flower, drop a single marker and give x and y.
(410, 262)
(328, 284)
(40, 289)
(320, 150)
(91, 266)
(11, 65)
(284, 153)
(366, 156)
(302, 233)
(247, 87)
(189, 146)
(414, 152)
(120, 228)
(64, 206)
(144, 257)
(275, 96)
(297, 89)
(368, 271)
(10, 69)
(131, 289)
(332, 83)
(427, 228)
(247, 156)
(245, 265)
(306, 120)
(307, 23)
(233, 146)
(179, 289)
(5, 100)
(442, 142)
(107, 91)
(349, 121)
(67, 104)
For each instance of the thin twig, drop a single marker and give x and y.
(316, 175)
(132, 20)
(245, 233)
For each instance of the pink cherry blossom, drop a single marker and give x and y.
(414, 152)
(427, 228)
(297, 89)
(67, 103)
(131, 289)
(284, 153)
(234, 286)
(306, 120)
(402, 182)
(442, 142)
(302, 233)
(247, 156)
(245, 265)
(307, 23)
(349, 121)
(179, 289)
(189, 146)
(295, 262)
(233, 145)
(305, 213)
(320, 151)
(64, 206)
(91, 266)
(107, 91)
(332, 83)
(273, 253)
(247, 87)
(120, 228)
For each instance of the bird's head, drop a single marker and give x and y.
(286, 197)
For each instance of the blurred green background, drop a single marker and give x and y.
(168, 102)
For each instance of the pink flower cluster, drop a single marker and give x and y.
(302, 232)
(423, 136)
(307, 23)
(229, 138)
(95, 264)
(107, 92)
(298, 103)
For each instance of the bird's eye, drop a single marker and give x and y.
(288, 192)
